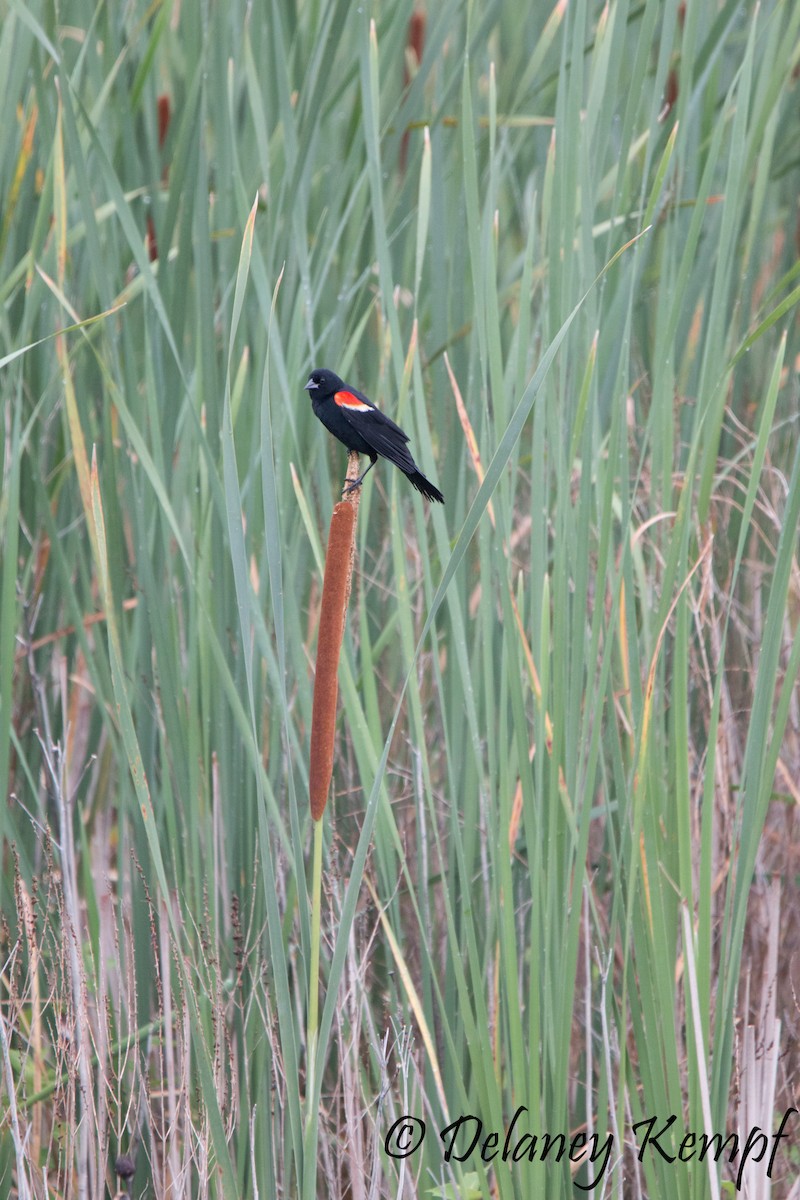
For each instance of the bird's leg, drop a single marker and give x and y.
(358, 482)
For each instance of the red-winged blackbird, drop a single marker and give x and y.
(359, 425)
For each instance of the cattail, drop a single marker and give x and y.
(338, 573)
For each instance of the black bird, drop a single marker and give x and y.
(359, 425)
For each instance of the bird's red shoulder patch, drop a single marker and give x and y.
(349, 401)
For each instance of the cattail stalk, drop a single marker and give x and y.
(338, 573)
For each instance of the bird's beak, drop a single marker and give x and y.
(311, 386)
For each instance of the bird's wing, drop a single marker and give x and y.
(377, 430)
(366, 418)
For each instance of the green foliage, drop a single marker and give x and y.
(560, 249)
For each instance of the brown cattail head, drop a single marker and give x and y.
(415, 44)
(333, 613)
(164, 114)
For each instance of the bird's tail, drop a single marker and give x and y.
(428, 489)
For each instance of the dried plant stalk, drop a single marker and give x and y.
(338, 573)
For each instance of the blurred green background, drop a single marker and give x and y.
(560, 869)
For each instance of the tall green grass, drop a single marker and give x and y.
(560, 843)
